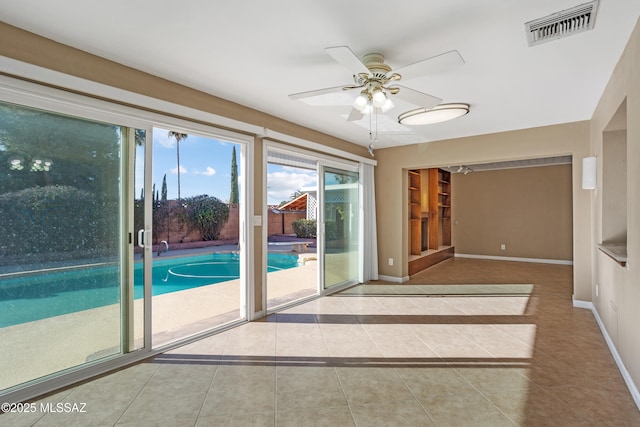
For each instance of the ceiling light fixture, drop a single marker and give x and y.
(464, 169)
(437, 114)
(370, 100)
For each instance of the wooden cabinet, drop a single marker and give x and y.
(415, 214)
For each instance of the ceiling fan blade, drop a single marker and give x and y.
(346, 57)
(436, 64)
(318, 92)
(354, 115)
(417, 98)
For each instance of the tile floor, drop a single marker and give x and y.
(381, 356)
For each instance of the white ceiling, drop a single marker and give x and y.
(256, 53)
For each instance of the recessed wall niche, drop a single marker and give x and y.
(614, 180)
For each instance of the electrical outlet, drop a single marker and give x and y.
(503, 247)
(390, 261)
(597, 290)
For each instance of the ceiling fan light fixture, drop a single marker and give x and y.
(437, 114)
(367, 109)
(379, 98)
(360, 102)
(388, 105)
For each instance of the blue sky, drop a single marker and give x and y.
(283, 181)
(205, 165)
(205, 168)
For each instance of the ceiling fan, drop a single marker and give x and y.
(376, 80)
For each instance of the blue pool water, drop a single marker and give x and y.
(177, 274)
(52, 293)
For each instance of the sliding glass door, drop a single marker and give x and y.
(198, 275)
(341, 224)
(101, 261)
(62, 253)
(313, 215)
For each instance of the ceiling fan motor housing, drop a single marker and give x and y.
(378, 69)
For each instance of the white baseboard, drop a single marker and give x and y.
(583, 304)
(517, 259)
(635, 394)
(393, 279)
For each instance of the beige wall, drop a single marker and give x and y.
(548, 141)
(618, 298)
(529, 210)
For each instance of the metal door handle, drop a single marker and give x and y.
(141, 237)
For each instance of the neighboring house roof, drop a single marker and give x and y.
(297, 204)
(334, 194)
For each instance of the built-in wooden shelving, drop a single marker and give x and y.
(415, 215)
(444, 206)
(439, 208)
(429, 230)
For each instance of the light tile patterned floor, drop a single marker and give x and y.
(385, 359)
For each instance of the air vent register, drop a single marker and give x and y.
(562, 24)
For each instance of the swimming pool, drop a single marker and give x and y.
(177, 274)
(53, 293)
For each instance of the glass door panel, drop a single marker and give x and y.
(291, 222)
(341, 213)
(61, 254)
(197, 281)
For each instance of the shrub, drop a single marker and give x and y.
(304, 228)
(55, 218)
(205, 214)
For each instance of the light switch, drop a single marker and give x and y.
(257, 220)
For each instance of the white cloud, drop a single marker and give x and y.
(207, 172)
(161, 137)
(281, 185)
(183, 170)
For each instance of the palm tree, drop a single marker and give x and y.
(179, 137)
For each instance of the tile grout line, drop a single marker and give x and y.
(213, 377)
(395, 370)
(335, 369)
(146, 383)
(277, 365)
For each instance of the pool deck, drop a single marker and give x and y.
(40, 347)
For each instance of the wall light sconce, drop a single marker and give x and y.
(589, 168)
